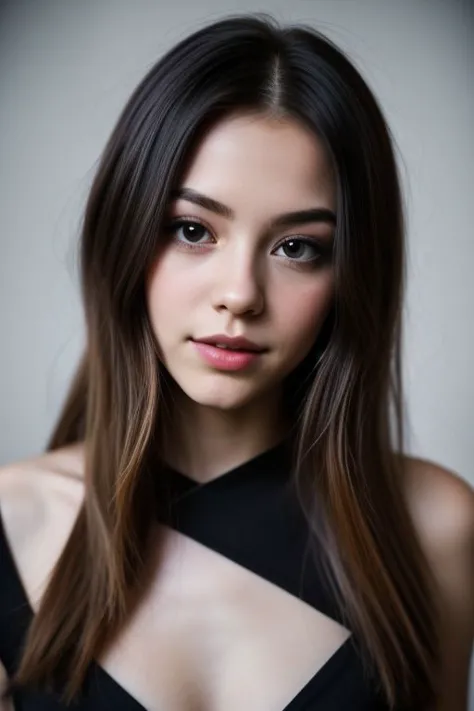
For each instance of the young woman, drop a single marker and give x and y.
(224, 517)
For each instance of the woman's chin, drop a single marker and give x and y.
(225, 401)
(222, 395)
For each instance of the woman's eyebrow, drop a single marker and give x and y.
(287, 219)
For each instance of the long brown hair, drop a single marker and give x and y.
(347, 393)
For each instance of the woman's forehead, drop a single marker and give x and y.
(250, 158)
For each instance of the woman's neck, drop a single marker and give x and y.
(205, 442)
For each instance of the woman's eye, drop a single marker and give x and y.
(300, 250)
(191, 233)
(186, 231)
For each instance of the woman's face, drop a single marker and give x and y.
(237, 269)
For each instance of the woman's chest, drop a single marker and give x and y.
(210, 634)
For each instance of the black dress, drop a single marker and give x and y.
(250, 515)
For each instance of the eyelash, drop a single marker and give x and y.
(323, 250)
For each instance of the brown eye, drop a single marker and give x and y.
(187, 231)
(300, 250)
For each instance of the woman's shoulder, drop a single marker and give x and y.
(441, 503)
(442, 508)
(39, 500)
(34, 488)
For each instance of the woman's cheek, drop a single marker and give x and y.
(301, 312)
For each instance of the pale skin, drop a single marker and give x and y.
(238, 281)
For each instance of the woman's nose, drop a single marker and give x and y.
(238, 286)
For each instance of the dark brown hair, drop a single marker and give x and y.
(349, 407)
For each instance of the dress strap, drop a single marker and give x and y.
(15, 610)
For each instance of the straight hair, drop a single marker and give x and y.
(347, 394)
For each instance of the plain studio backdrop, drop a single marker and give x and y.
(66, 70)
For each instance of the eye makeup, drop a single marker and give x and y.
(323, 248)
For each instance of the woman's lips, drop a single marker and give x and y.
(225, 358)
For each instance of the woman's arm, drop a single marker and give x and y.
(443, 510)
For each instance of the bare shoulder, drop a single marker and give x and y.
(39, 500)
(33, 488)
(441, 503)
(442, 507)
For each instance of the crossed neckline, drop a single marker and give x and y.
(182, 484)
(270, 456)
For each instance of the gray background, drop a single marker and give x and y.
(67, 68)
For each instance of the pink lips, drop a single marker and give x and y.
(226, 359)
